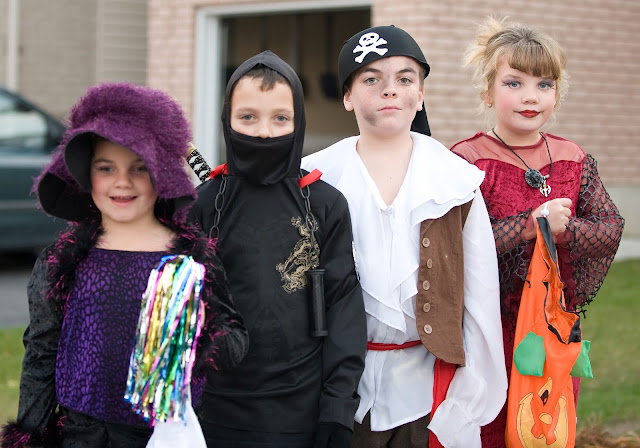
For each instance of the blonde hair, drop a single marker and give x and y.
(523, 48)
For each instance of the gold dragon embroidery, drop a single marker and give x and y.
(293, 270)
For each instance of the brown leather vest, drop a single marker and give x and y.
(440, 300)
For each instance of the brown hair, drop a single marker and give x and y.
(268, 75)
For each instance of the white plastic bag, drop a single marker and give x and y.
(178, 434)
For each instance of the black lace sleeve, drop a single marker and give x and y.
(594, 234)
(514, 252)
(37, 383)
(507, 232)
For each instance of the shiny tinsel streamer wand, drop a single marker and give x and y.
(171, 319)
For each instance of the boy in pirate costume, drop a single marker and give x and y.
(425, 256)
(297, 385)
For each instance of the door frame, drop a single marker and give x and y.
(210, 55)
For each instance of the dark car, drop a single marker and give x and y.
(28, 135)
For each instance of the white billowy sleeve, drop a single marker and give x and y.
(479, 389)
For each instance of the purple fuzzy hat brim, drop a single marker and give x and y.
(58, 192)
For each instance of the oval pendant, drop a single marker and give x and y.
(534, 178)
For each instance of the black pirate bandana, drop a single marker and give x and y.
(382, 42)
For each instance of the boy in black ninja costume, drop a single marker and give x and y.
(297, 387)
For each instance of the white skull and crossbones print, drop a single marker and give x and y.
(369, 42)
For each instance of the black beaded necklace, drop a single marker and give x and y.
(533, 177)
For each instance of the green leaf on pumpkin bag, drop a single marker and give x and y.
(529, 355)
(582, 366)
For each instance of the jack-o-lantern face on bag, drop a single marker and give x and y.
(542, 430)
(548, 351)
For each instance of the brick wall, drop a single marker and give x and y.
(171, 48)
(600, 112)
(171, 45)
(601, 109)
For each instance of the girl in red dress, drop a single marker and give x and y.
(521, 75)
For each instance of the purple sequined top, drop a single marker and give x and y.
(98, 333)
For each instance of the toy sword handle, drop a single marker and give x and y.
(318, 311)
(197, 163)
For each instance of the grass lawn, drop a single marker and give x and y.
(612, 398)
(11, 352)
(611, 324)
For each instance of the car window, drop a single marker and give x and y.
(21, 128)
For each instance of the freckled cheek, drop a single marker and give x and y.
(369, 116)
(410, 102)
(365, 112)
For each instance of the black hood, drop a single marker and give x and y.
(241, 165)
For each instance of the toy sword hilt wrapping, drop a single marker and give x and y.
(197, 163)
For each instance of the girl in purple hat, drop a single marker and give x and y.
(119, 180)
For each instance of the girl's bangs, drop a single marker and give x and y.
(531, 57)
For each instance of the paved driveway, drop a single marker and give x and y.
(15, 271)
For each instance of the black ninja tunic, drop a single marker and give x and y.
(289, 381)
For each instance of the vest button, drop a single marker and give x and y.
(428, 329)
(426, 242)
(426, 285)
(426, 307)
(429, 263)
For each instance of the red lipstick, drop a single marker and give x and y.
(529, 113)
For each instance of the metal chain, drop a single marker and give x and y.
(309, 220)
(214, 231)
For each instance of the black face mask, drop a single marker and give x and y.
(262, 161)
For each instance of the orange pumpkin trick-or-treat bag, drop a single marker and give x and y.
(548, 350)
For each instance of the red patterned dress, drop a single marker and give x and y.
(585, 250)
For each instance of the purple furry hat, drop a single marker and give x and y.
(146, 121)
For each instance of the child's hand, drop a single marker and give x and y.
(557, 212)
